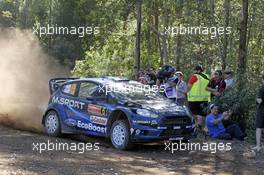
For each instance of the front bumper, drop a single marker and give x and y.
(143, 133)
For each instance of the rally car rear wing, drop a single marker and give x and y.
(55, 83)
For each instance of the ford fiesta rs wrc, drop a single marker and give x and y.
(116, 108)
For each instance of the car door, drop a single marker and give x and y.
(68, 102)
(93, 118)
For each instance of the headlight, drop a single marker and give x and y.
(146, 113)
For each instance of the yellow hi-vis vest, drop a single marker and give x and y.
(198, 91)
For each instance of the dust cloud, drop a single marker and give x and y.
(24, 73)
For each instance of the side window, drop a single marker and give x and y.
(88, 89)
(69, 89)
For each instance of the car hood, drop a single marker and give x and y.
(161, 107)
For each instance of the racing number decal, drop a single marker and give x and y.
(103, 111)
(95, 109)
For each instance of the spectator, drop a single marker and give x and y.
(151, 76)
(167, 80)
(197, 95)
(142, 77)
(228, 75)
(259, 115)
(170, 85)
(181, 89)
(216, 128)
(217, 84)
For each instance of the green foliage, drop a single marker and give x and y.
(8, 10)
(115, 58)
(6, 14)
(241, 100)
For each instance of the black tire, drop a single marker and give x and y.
(52, 124)
(120, 135)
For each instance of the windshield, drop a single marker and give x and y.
(135, 91)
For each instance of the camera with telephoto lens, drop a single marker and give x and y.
(165, 72)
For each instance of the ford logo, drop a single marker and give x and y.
(70, 122)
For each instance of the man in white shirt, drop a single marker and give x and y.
(181, 89)
(228, 75)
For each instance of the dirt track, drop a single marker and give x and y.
(17, 157)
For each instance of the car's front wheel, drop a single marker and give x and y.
(52, 124)
(120, 136)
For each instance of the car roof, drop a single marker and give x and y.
(104, 80)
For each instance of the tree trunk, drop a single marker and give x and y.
(164, 38)
(226, 23)
(148, 39)
(243, 39)
(156, 24)
(217, 40)
(25, 20)
(50, 21)
(198, 37)
(178, 39)
(252, 17)
(137, 42)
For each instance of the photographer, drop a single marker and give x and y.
(166, 78)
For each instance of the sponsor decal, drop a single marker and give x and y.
(176, 138)
(91, 127)
(70, 122)
(161, 127)
(95, 109)
(141, 121)
(98, 120)
(177, 127)
(68, 102)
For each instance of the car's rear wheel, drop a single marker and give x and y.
(120, 136)
(52, 124)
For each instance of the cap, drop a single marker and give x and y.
(219, 72)
(198, 67)
(179, 72)
(212, 106)
(228, 71)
